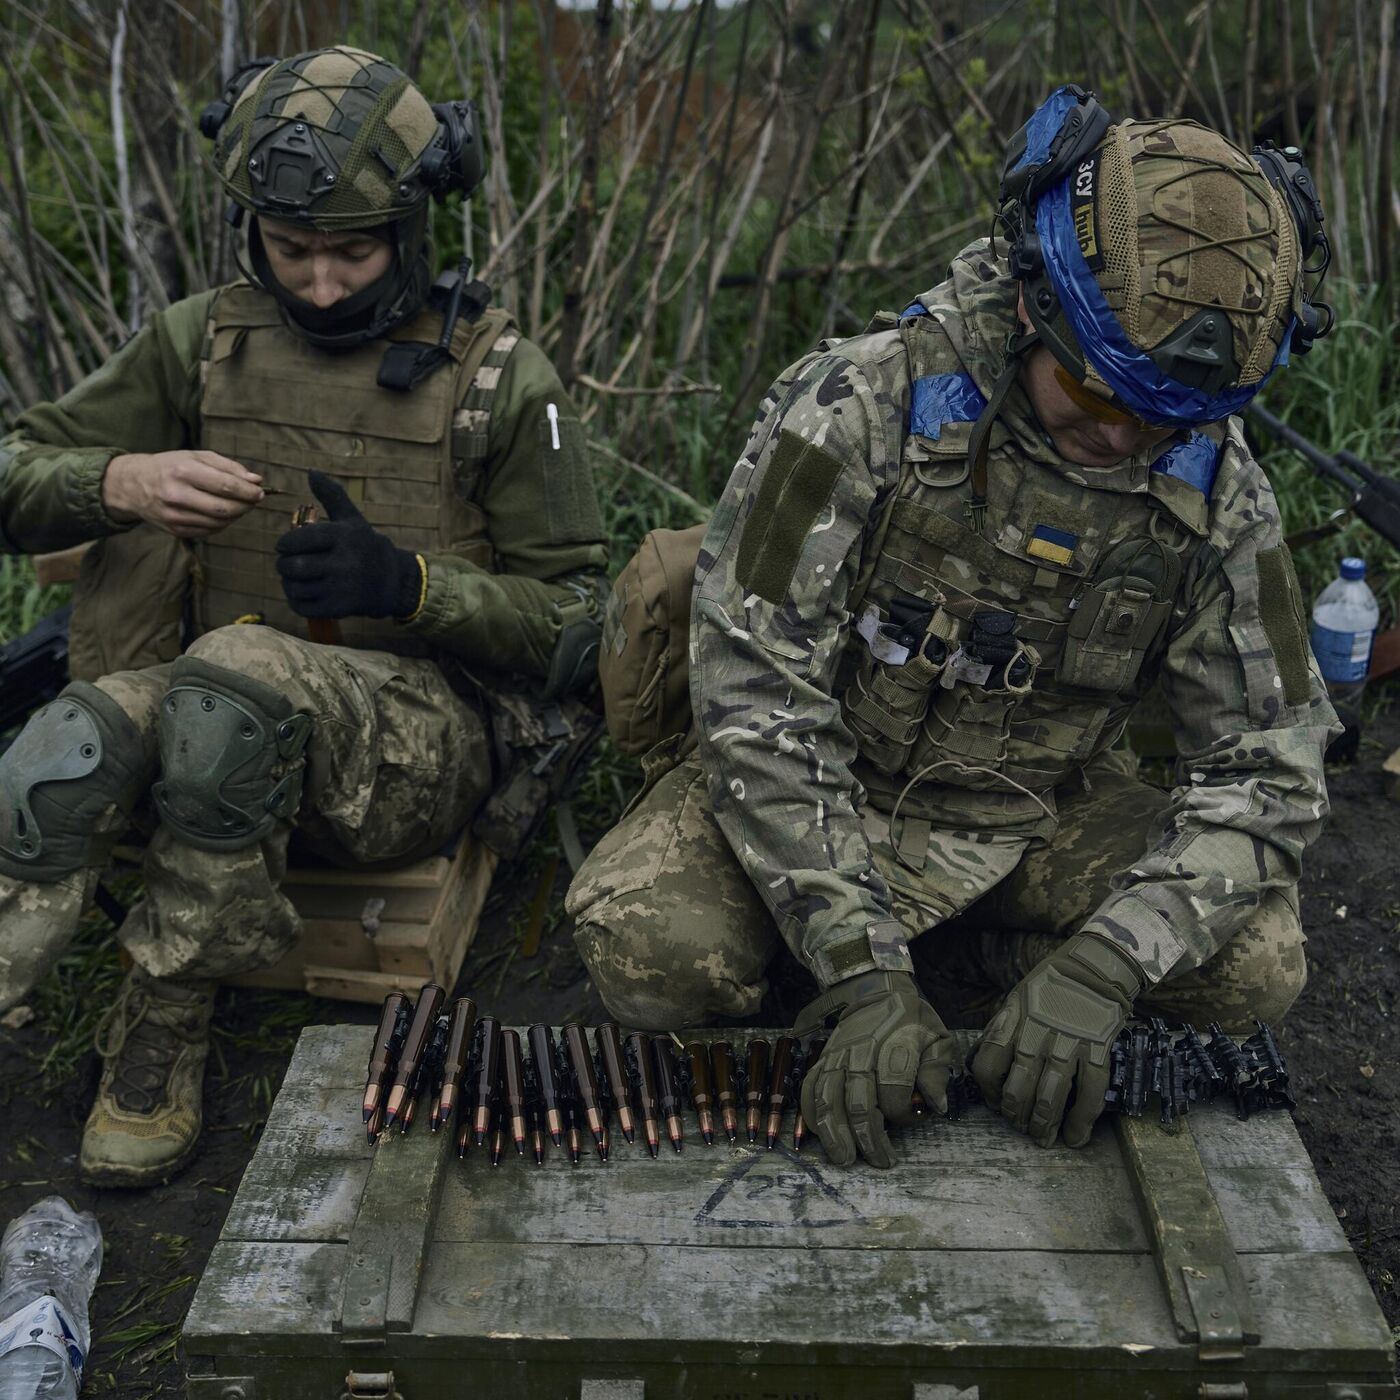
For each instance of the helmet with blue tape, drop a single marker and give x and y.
(1160, 263)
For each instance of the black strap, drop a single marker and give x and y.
(979, 439)
(407, 363)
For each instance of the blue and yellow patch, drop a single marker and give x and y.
(1052, 545)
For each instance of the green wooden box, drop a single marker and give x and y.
(1201, 1264)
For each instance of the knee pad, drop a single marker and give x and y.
(75, 758)
(231, 756)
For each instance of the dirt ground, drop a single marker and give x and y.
(1340, 1041)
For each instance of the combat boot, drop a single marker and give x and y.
(146, 1122)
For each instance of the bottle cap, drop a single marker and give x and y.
(1353, 568)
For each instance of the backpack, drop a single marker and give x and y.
(644, 663)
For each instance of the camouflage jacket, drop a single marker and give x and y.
(848, 520)
(539, 509)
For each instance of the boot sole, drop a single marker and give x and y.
(113, 1175)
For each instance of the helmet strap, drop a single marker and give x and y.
(979, 440)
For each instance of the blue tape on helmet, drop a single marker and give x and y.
(939, 399)
(1044, 126)
(1128, 371)
(1194, 461)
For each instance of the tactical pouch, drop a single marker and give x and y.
(1117, 618)
(969, 722)
(643, 666)
(129, 603)
(889, 694)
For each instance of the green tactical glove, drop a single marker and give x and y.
(888, 1039)
(1053, 1034)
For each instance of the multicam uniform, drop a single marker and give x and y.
(463, 469)
(849, 792)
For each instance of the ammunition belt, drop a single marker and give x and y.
(500, 1088)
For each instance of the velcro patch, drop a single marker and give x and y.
(795, 489)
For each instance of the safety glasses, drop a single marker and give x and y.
(1099, 409)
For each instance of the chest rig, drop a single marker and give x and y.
(413, 463)
(1000, 644)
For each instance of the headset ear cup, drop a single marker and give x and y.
(454, 162)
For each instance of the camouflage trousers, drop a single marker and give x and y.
(396, 764)
(674, 933)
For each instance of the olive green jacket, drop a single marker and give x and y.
(146, 398)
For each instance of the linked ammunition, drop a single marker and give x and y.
(667, 1095)
(383, 1057)
(799, 1125)
(543, 1057)
(1159, 1048)
(1230, 1060)
(1173, 1086)
(1139, 1071)
(1271, 1076)
(534, 1112)
(780, 1077)
(513, 1088)
(585, 1083)
(569, 1104)
(406, 1074)
(460, 1025)
(726, 1087)
(755, 1082)
(1200, 1067)
(429, 1071)
(609, 1042)
(488, 1075)
(637, 1050)
(702, 1094)
(1116, 1097)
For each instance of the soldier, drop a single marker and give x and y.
(462, 548)
(956, 551)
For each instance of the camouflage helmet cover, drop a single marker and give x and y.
(1187, 221)
(334, 139)
(1159, 262)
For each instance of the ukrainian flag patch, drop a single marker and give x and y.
(1055, 546)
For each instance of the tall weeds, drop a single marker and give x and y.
(681, 201)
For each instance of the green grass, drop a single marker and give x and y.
(22, 601)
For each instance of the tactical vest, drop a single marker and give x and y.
(413, 463)
(995, 653)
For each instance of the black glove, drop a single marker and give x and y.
(343, 566)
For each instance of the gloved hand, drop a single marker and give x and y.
(1053, 1034)
(342, 566)
(887, 1041)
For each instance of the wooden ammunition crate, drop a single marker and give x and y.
(366, 932)
(1201, 1264)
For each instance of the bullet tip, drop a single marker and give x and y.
(709, 1139)
(630, 1134)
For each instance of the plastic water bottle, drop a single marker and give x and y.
(49, 1261)
(1344, 623)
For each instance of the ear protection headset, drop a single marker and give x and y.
(1189, 377)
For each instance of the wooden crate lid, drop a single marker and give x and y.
(977, 1248)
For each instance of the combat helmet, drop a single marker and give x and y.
(1166, 269)
(339, 139)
